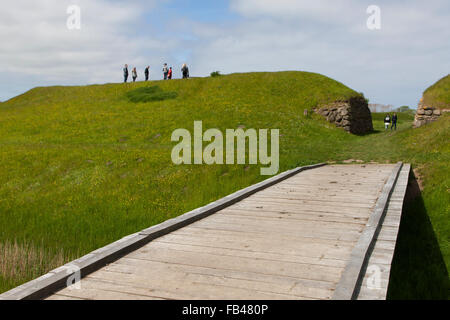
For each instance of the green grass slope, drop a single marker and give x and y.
(438, 95)
(84, 166)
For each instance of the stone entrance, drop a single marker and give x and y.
(353, 115)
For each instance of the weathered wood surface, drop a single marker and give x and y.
(289, 241)
(377, 271)
(353, 272)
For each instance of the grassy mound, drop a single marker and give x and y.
(438, 95)
(84, 166)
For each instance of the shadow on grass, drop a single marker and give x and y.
(373, 132)
(149, 94)
(418, 269)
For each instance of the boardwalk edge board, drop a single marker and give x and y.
(393, 212)
(56, 279)
(347, 288)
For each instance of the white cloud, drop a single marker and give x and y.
(328, 11)
(36, 42)
(392, 65)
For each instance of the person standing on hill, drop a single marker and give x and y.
(147, 73)
(125, 74)
(387, 121)
(185, 71)
(394, 121)
(165, 71)
(134, 74)
(169, 75)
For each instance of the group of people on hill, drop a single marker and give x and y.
(167, 73)
(388, 120)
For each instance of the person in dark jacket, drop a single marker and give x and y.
(125, 73)
(147, 73)
(169, 75)
(185, 71)
(394, 121)
(387, 121)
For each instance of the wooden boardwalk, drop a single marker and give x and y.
(293, 240)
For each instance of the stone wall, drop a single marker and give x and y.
(353, 116)
(426, 114)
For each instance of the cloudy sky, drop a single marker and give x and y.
(392, 65)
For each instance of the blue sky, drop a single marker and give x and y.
(393, 65)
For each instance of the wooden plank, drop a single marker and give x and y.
(99, 291)
(300, 208)
(278, 255)
(292, 269)
(283, 198)
(388, 233)
(313, 189)
(247, 238)
(335, 234)
(302, 203)
(295, 216)
(331, 197)
(183, 280)
(141, 271)
(280, 223)
(181, 288)
(362, 216)
(330, 234)
(63, 297)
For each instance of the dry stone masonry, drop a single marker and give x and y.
(426, 114)
(352, 115)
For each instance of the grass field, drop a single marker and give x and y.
(84, 166)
